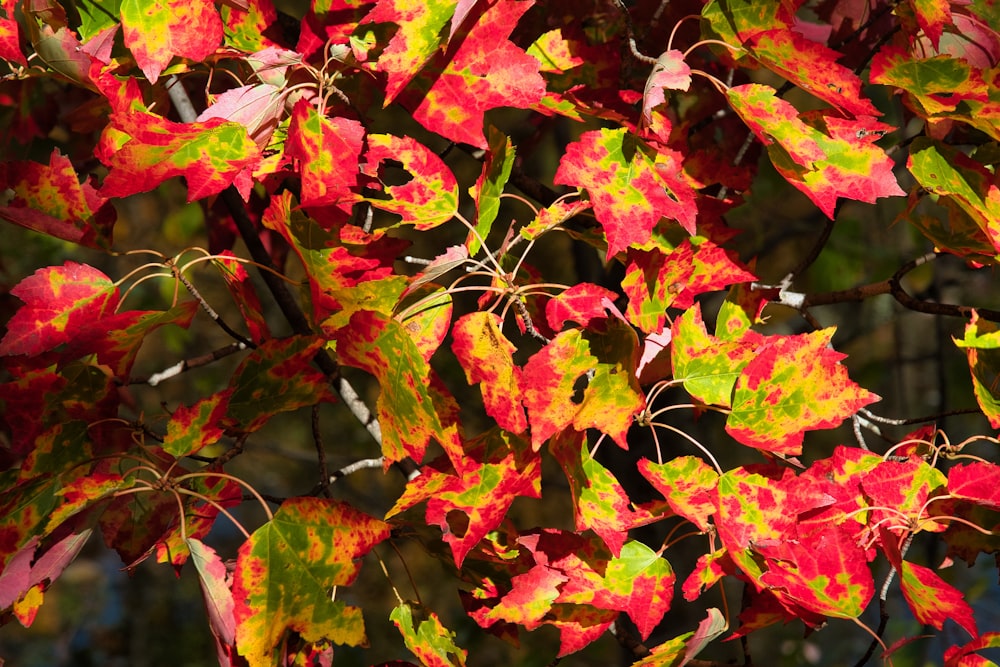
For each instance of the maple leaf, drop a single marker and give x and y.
(687, 483)
(51, 199)
(603, 366)
(210, 156)
(216, 593)
(489, 186)
(249, 26)
(905, 487)
(323, 146)
(630, 185)
(10, 39)
(157, 30)
(501, 468)
(768, 33)
(655, 280)
(823, 156)
(193, 427)
(932, 600)
(275, 377)
(244, 294)
(425, 635)
(285, 571)
(583, 303)
(430, 198)
(412, 405)
(792, 385)
(485, 72)
(970, 185)
(416, 40)
(58, 301)
(669, 72)
(487, 358)
(980, 342)
(599, 501)
(709, 366)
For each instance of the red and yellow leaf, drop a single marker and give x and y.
(688, 484)
(51, 199)
(413, 406)
(286, 570)
(485, 72)
(157, 30)
(59, 301)
(210, 156)
(599, 501)
(430, 198)
(823, 156)
(325, 148)
(630, 185)
(416, 40)
(792, 385)
(771, 34)
(502, 467)
(487, 358)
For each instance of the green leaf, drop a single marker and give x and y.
(709, 366)
(487, 190)
(945, 171)
(425, 635)
(630, 185)
(288, 570)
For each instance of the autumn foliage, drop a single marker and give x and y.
(323, 145)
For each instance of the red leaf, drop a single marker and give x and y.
(325, 148)
(502, 467)
(215, 591)
(50, 199)
(487, 358)
(792, 385)
(210, 156)
(977, 481)
(58, 302)
(631, 186)
(157, 30)
(487, 71)
(582, 303)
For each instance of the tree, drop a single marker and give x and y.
(571, 173)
